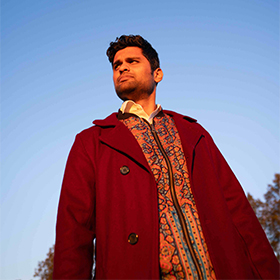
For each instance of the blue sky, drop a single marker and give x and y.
(221, 66)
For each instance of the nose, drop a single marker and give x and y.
(124, 67)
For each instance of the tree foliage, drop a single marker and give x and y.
(45, 268)
(268, 213)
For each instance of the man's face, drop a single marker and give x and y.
(132, 74)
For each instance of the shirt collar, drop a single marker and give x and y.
(131, 107)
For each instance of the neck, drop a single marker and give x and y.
(148, 104)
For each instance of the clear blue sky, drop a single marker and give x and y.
(221, 66)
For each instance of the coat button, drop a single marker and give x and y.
(133, 238)
(124, 170)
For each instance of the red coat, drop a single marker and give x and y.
(97, 200)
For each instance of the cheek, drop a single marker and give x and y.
(114, 79)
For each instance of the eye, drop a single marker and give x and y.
(116, 66)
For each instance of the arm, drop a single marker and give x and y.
(258, 248)
(73, 258)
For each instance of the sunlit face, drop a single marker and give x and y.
(132, 74)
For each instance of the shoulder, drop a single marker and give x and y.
(90, 135)
(179, 116)
(186, 122)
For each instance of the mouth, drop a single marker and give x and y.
(123, 78)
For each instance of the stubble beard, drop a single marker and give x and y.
(133, 92)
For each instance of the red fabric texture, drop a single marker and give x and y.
(98, 201)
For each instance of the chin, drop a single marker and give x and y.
(125, 94)
(125, 97)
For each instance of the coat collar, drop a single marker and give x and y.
(188, 128)
(120, 138)
(112, 120)
(190, 134)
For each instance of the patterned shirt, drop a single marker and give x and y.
(183, 251)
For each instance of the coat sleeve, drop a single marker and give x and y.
(75, 232)
(244, 218)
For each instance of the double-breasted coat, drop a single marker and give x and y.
(99, 201)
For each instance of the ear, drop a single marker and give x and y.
(158, 75)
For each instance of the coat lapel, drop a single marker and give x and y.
(116, 135)
(190, 134)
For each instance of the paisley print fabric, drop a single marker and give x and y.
(175, 258)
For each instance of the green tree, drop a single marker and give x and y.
(268, 213)
(45, 268)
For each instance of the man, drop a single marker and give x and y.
(154, 191)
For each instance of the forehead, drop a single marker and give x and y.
(128, 52)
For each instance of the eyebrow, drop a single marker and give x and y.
(127, 58)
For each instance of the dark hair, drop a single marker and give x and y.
(134, 41)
